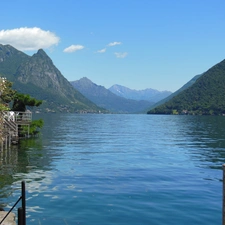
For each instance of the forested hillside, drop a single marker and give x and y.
(205, 97)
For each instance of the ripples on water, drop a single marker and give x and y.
(119, 169)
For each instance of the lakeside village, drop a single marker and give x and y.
(16, 121)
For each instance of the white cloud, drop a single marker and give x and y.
(102, 50)
(114, 43)
(121, 54)
(28, 39)
(73, 48)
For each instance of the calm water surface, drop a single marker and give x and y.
(119, 169)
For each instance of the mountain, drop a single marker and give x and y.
(37, 76)
(108, 100)
(149, 94)
(10, 60)
(206, 96)
(185, 86)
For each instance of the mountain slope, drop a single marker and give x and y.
(10, 60)
(106, 99)
(185, 86)
(147, 94)
(36, 75)
(205, 97)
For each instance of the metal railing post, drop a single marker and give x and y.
(24, 202)
(10, 210)
(20, 216)
(21, 210)
(223, 207)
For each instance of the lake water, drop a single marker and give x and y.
(119, 169)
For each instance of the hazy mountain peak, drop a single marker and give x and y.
(106, 99)
(7, 47)
(41, 52)
(10, 60)
(86, 80)
(41, 55)
(7, 51)
(83, 83)
(148, 94)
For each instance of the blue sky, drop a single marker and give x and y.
(159, 44)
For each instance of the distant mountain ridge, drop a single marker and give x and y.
(108, 100)
(148, 94)
(37, 76)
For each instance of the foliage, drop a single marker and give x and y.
(34, 128)
(22, 100)
(7, 93)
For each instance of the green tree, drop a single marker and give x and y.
(20, 102)
(6, 93)
(34, 128)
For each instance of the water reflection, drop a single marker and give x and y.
(80, 159)
(18, 162)
(205, 139)
(30, 161)
(37, 181)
